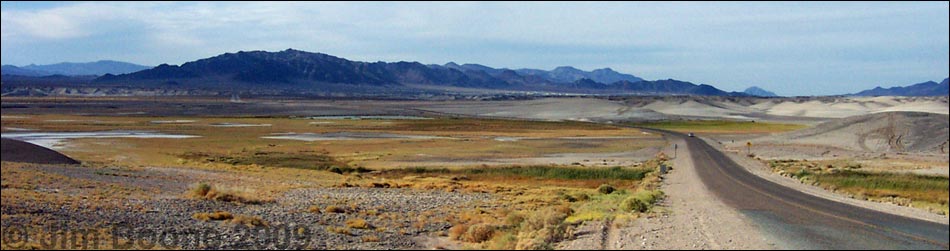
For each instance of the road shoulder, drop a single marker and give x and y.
(691, 217)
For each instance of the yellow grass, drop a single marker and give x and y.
(464, 139)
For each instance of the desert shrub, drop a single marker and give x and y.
(547, 226)
(478, 233)
(457, 231)
(581, 196)
(504, 241)
(642, 201)
(201, 189)
(514, 219)
(606, 189)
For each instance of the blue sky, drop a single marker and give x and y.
(791, 48)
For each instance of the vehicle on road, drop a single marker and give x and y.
(690, 135)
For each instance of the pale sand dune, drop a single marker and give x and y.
(693, 108)
(656, 108)
(551, 109)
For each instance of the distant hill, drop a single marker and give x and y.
(756, 91)
(563, 74)
(97, 68)
(316, 71)
(929, 88)
(13, 70)
(567, 74)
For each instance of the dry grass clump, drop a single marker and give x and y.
(225, 194)
(216, 216)
(335, 210)
(339, 230)
(314, 209)
(370, 238)
(250, 221)
(358, 224)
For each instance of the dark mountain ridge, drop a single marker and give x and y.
(929, 88)
(305, 71)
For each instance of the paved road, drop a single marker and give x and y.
(800, 221)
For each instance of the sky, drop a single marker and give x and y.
(790, 48)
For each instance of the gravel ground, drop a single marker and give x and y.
(400, 218)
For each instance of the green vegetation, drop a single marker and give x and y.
(642, 201)
(544, 172)
(599, 207)
(911, 186)
(302, 160)
(606, 189)
(720, 126)
(923, 191)
(492, 125)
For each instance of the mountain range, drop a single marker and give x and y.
(929, 88)
(97, 68)
(316, 71)
(756, 91)
(294, 71)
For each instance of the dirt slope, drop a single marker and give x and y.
(19, 151)
(915, 132)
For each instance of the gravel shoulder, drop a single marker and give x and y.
(691, 217)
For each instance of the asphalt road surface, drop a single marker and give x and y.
(800, 221)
